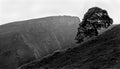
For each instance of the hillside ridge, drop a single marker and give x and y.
(36, 38)
(99, 53)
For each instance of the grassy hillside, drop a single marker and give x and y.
(102, 52)
(23, 41)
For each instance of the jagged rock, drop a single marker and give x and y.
(94, 19)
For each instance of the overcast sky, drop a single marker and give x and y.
(17, 10)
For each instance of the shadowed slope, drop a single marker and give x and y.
(36, 38)
(12, 48)
(102, 52)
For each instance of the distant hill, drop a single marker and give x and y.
(24, 41)
(101, 52)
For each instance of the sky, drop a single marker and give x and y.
(19, 10)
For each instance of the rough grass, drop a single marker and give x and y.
(102, 52)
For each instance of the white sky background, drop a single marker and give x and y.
(17, 10)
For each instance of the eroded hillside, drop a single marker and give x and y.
(23, 41)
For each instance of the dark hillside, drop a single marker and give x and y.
(23, 41)
(102, 52)
(12, 50)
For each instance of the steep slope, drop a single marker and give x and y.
(23, 41)
(102, 52)
(14, 51)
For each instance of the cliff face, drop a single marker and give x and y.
(23, 41)
(101, 52)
